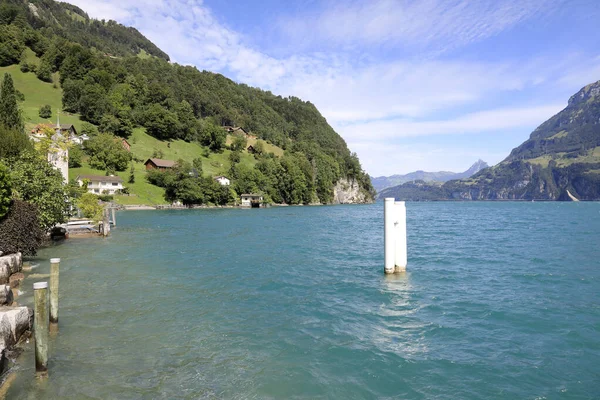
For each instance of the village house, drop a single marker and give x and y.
(251, 149)
(125, 144)
(224, 181)
(238, 131)
(252, 200)
(157, 163)
(99, 184)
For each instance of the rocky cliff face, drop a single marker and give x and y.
(349, 192)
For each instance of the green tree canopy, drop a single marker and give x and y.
(5, 190)
(37, 182)
(10, 114)
(107, 153)
(20, 230)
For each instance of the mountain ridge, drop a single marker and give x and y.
(383, 182)
(559, 160)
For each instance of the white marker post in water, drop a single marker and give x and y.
(394, 236)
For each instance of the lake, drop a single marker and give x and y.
(501, 300)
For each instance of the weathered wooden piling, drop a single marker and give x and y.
(105, 223)
(40, 326)
(114, 216)
(394, 236)
(54, 271)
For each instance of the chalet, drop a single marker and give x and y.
(251, 149)
(66, 129)
(234, 130)
(224, 181)
(99, 184)
(125, 144)
(157, 163)
(252, 200)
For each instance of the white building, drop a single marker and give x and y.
(222, 180)
(98, 184)
(252, 200)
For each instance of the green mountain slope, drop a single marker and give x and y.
(561, 157)
(104, 76)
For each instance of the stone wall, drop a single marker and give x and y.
(10, 264)
(14, 321)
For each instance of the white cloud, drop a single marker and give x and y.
(444, 24)
(477, 122)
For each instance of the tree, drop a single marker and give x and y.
(239, 143)
(10, 115)
(259, 147)
(20, 230)
(197, 164)
(11, 45)
(5, 190)
(13, 142)
(132, 174)
(117, 126)
(213, 136)
(89, 206)
(235, 157)
(37, 182)
(75, 157)
(107, 153)
(44, 71)
(93, 103)
(72, 91)
(45, 111)
(160, 122)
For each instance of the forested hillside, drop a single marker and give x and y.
(117, 80)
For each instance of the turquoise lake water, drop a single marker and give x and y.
(500, 301)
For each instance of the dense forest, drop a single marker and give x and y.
(108, 84)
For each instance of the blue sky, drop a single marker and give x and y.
(428, 84)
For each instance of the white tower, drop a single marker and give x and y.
(58, 155)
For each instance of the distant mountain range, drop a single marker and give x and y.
(382, 182)
(559, 161)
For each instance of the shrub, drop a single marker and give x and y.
(20, 229)
(45, 111)
(5, 190)
(89, 206)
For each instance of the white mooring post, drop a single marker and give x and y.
(394, 236)
(388, 235)
(400, 258)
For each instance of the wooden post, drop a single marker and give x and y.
(105, 223)
(40, 326)
(114, 216)
(54, 270)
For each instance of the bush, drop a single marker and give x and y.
(107, 153)
(89, 206)
(20, 230)
(75, 156)
(5, 190)
(13, 142)
(45, 111)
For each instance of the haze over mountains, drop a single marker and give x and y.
(383, 182)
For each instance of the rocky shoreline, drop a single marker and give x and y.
(15, 321)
